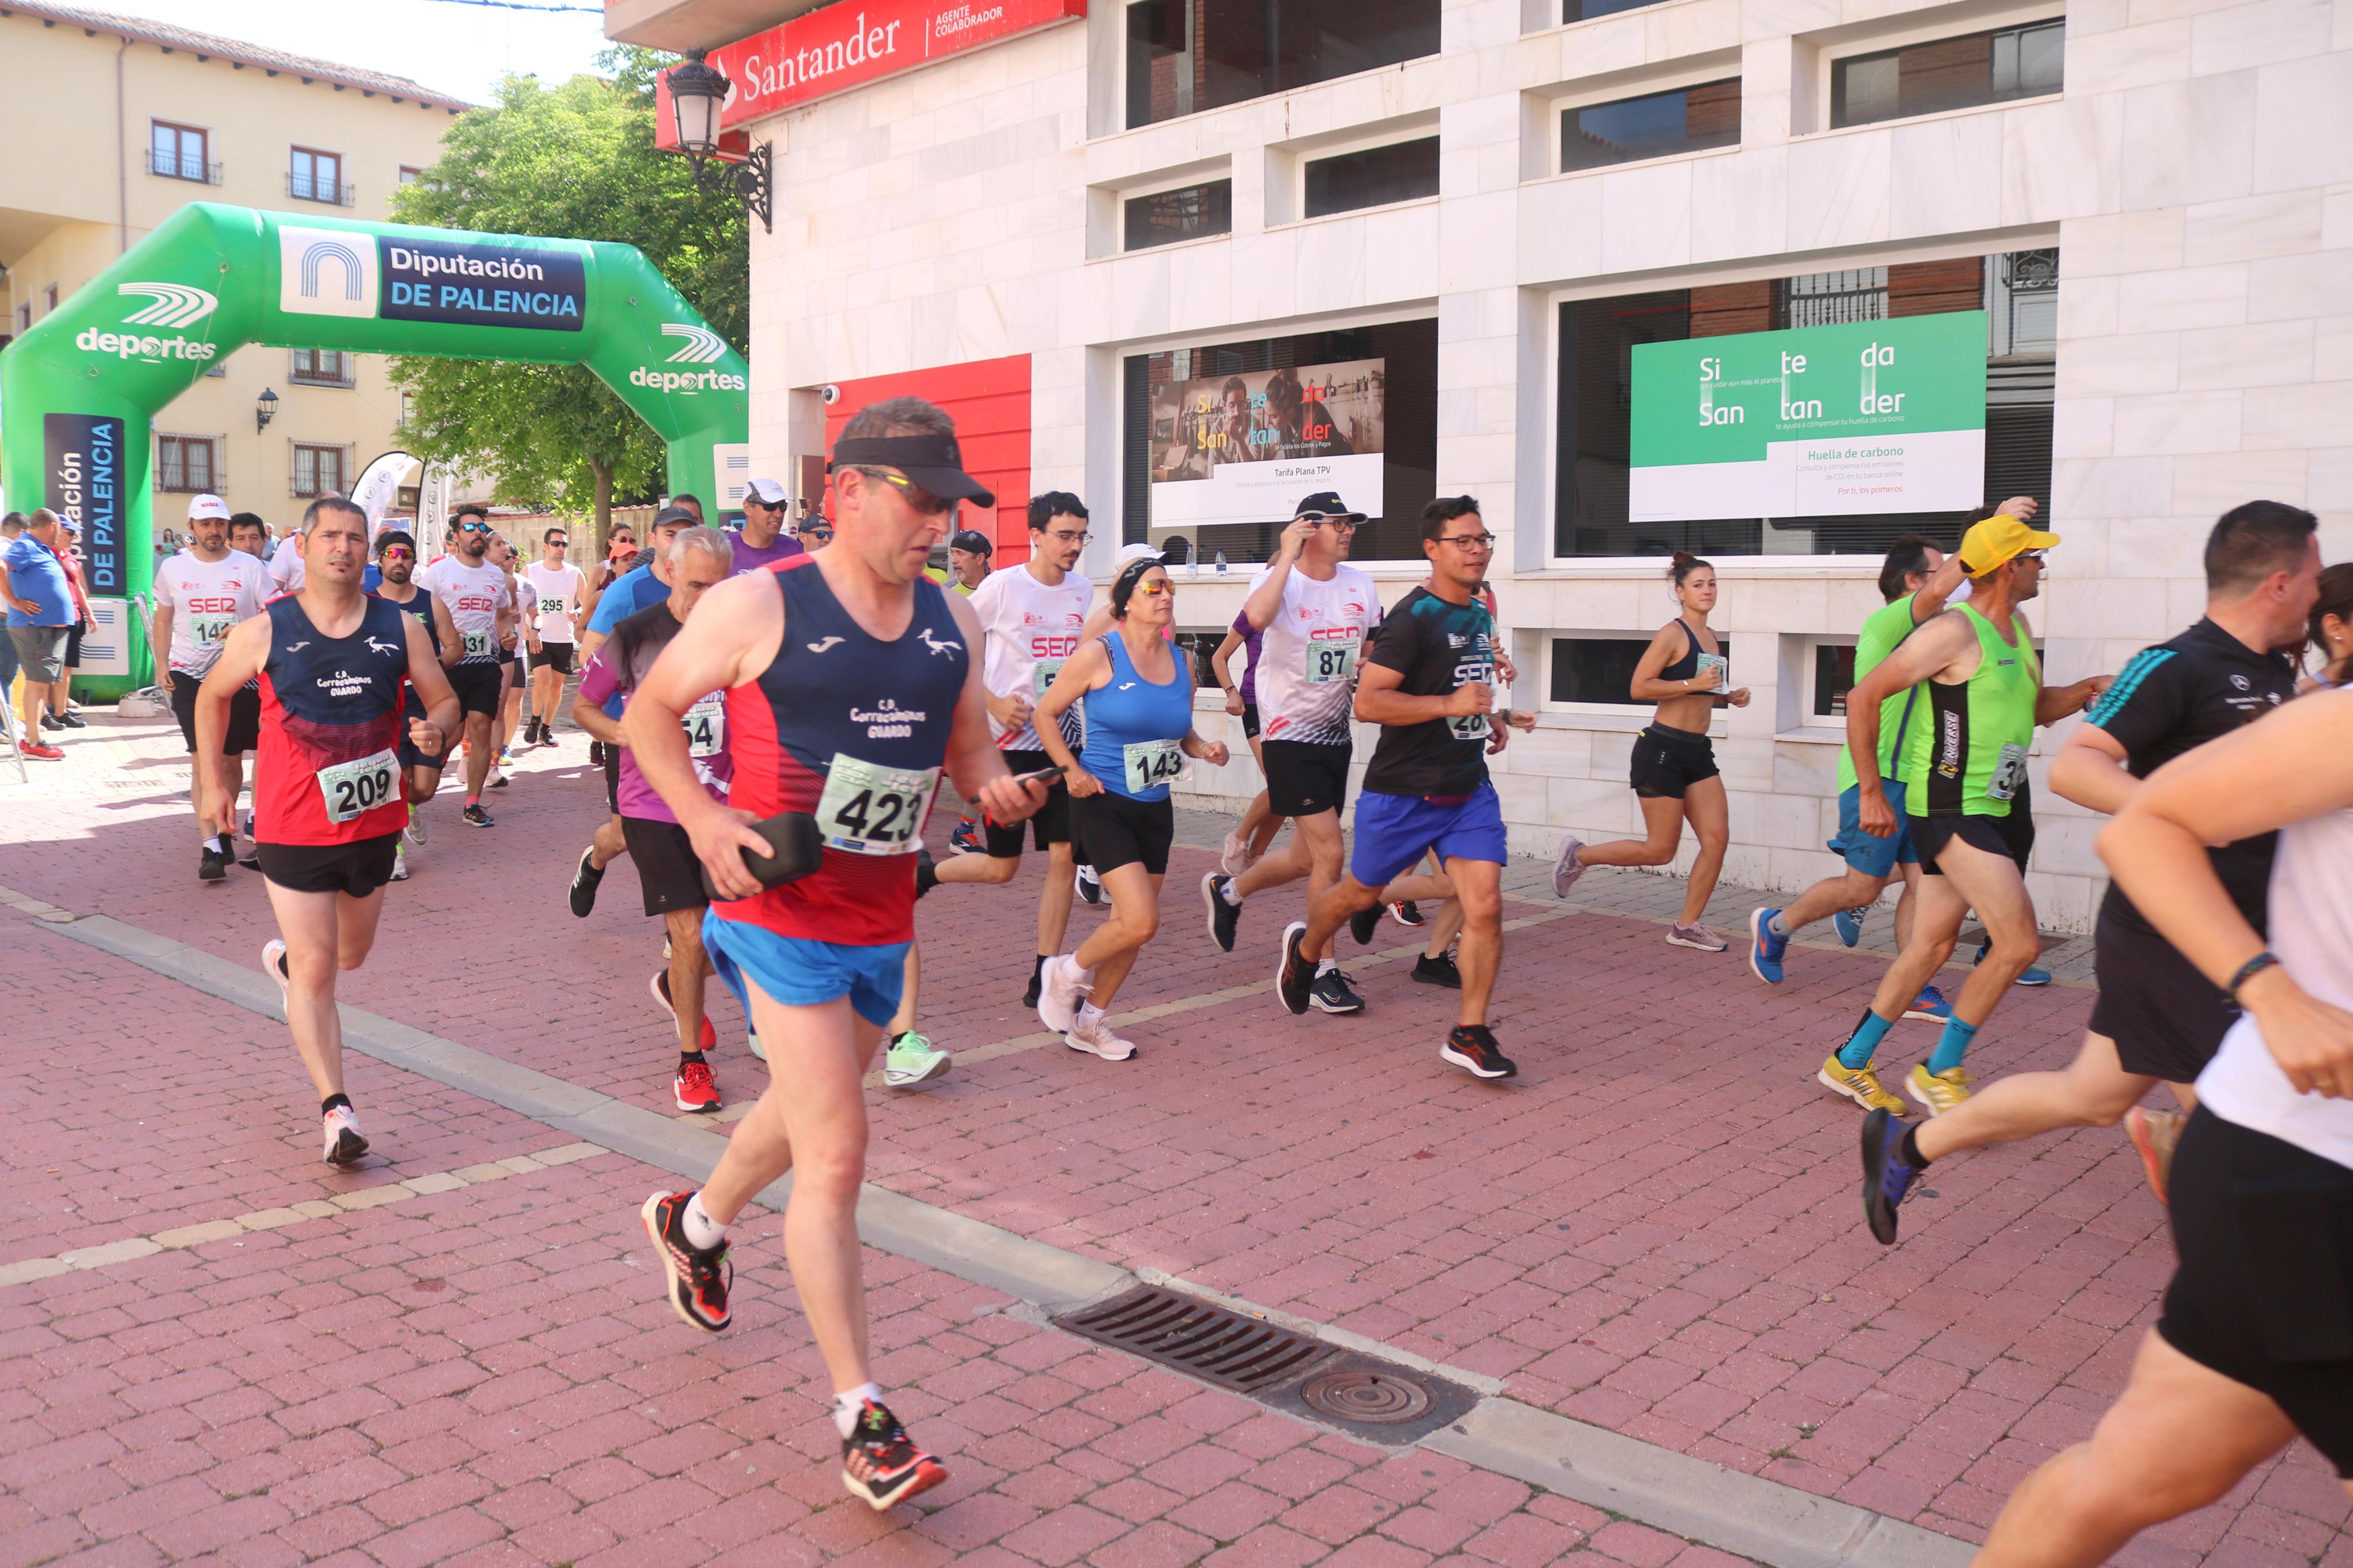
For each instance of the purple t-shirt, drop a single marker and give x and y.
(750, 557)
(621, 662)
(1250, 637)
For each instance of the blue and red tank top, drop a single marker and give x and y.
(839, 698)
(330, 705)
(421, 607)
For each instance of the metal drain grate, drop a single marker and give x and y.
(1210, 1343)
(1363, 1396)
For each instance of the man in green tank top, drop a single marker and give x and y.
(1962, 764)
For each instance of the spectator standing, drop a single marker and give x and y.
(764, 540)
(40, 617)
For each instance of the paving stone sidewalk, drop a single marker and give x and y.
(1655, 1230)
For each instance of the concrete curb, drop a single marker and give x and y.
(1728, 1509)
(1772, 1523)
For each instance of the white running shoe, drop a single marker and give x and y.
(1060, 998)
(1093, 1036)
(399, 862)
(415, 828)
(1087, 885)
(340, 1140)
(1568, 868)
(1237, 857)
(758, 1049)
(273, 960)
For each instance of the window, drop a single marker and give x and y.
(1188, 212)
(1685, 120)
(1209, 433)
(1948, 73)
(317, 177)
(49, 298)
(1401, 172)
(24, 318)
(318, 470)
(1586, 10)
(1601, 669)
(1594, 397)
(1185, 55)
(185, 464)
(320, 367)
(410, 174)
(180, 153)
(1833, 678)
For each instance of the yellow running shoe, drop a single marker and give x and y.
(1859, 1084)
(1937, 1092)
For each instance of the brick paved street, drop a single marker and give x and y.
(1655, 1230)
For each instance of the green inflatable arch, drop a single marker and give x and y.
(78, 391)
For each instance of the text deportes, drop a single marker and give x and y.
(687, 381)
(130, 345)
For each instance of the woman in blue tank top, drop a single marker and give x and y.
(1137, 696)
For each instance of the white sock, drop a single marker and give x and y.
(1325, 967)
(1089, 1017)
(846, 1408)
(218, 843)
(1232, 894)
(701, 1230)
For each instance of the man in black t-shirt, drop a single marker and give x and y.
(1429, 683)
(2157, 1019)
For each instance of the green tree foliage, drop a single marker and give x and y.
(577, 161)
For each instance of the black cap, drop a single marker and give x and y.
(930, 459)
(1326, 504)
(670, 514)
(973, 540)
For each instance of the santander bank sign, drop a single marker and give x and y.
(853, 42)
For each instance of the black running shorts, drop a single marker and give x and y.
(1112, 830)
(244, 714)
(358, 869)
(477, 686)
(1250, 721)
(2264, 1294)
(2012, 836)
(1668, 762)
(2166, 1019)
(554, 656)
(1304, 779)
(1049, 825)
(669, 873)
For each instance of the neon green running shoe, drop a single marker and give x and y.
(912, 1060)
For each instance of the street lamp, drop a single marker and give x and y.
(265, 409)
(697, 92)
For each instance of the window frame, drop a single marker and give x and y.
(343, 378)
(1565, 110)
(295, 450)
(1545, 107)
(205, 174)
(1638, 710)
(1161, 187)
(1122, 33)
(214, 447)
(340, 193)
(1356, 148)
(1814, 119)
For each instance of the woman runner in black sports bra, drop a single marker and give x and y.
(1674, 774)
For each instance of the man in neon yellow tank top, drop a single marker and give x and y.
(1962, 765)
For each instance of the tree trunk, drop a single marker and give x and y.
(600, 527)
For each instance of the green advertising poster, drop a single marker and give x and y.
(1862, 417)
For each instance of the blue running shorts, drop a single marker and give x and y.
(1871, 855)
(799, 973)
(1394, 830)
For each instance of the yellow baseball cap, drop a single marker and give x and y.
(1998, 539)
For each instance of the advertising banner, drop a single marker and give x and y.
(848, 44)
(1846, 420)
(1244, 448)
(86, 488)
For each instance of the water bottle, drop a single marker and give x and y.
(1221, 561)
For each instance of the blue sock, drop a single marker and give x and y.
(1950, 1044)
(1855, 1055)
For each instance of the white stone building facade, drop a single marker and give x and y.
(2194, 175)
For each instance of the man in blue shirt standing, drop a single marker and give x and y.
(640, 587)
(41, 616)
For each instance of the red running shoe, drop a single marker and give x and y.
(880, 1466)
(659, 986)
(694, 1089)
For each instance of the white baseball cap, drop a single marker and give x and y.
(1135, 553)
(207, 506)
(768, 492)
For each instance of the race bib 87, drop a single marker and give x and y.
(1331, 658)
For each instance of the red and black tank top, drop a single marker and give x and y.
(330, 728)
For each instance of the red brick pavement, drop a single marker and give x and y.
(1653, 1230)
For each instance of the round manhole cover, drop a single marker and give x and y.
(1376, 1396)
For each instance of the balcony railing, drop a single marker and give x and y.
(307, 189)
(172, 166)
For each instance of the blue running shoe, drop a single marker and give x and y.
(2035, 975)
(1885, 1175)
(1929, 1007)
(1849, 923)
(1765, 949)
